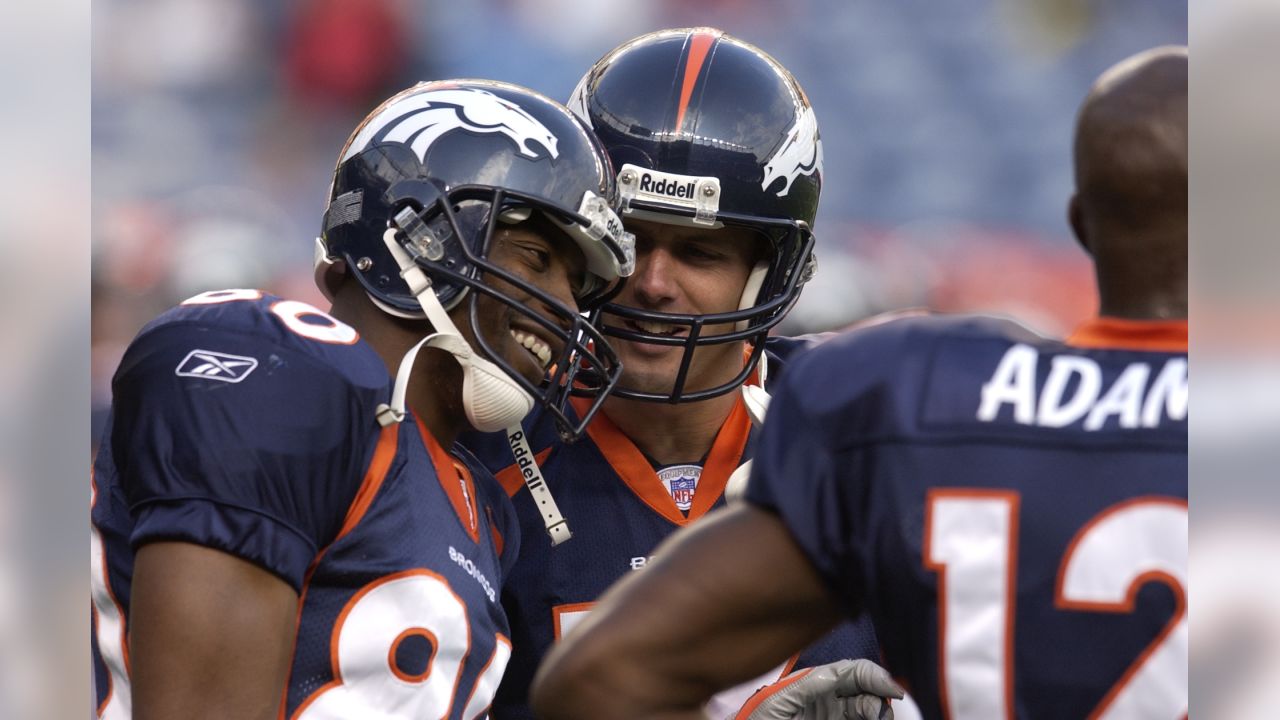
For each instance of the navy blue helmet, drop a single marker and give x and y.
(707, 130)
(441, 165)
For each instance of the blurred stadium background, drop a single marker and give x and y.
(946, 127)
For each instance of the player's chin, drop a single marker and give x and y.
(524, 363)
(645, 377)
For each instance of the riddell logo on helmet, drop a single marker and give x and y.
(667, 186)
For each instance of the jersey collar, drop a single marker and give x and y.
(1122, 334)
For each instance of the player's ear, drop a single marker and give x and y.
(1075, 216)
(332, 277)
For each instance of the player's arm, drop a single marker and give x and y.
(211, 634)
(233, 487)
(723, 602)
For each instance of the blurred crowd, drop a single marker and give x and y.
(946, 129)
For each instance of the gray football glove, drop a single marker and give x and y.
(848, 689)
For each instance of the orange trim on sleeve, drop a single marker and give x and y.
(635, 470)
(455, 480)
(512, 479)
(383, 454)
(1122, 334)
(699, 45)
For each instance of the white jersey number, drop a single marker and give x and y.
(971, 542)
(303, 319)
(110, 629)
(368, 683)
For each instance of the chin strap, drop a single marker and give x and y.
(492, 399)
(557, 526)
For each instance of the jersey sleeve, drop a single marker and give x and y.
(806, 467)
(794, 474)
(263, 467)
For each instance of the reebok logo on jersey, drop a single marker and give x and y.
(212, 365)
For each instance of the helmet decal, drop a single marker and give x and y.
(578, 101)
(419, 120)
(800, 154)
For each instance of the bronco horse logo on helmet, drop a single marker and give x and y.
(800, 154)
(420, 119)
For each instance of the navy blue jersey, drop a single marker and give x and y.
(619, 508)
(246, 423)
(1012, 510)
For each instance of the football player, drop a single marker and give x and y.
(719, 165)
(282, 525)
(1012, 510)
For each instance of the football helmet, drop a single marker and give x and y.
(419, 191)
(707, 130)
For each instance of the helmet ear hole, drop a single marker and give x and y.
(328, 273)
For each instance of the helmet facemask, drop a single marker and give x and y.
(418, 193)
(439, 238)
(772, 288)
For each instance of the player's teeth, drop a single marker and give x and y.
(533, 345)
(655, 327)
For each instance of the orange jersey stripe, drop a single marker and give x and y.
(455, 480)
(635, 470)
(512, 479)
(1118, 333)
(383, 453)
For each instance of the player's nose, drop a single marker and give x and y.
(654, 280)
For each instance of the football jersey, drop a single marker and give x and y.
(1011, 510)
(619, 509)
(246, 423)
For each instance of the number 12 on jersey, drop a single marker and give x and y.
(970, 541)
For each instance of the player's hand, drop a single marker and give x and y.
(853, 689)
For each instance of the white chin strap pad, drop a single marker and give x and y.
(492, 399)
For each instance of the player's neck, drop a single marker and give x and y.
(671, 433)
(435, 395)
(434, 391)
(1150, 304)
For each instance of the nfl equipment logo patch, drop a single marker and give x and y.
(212, 365)
(681, 481)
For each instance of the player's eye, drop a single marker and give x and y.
(702, 253)
(536, 255)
